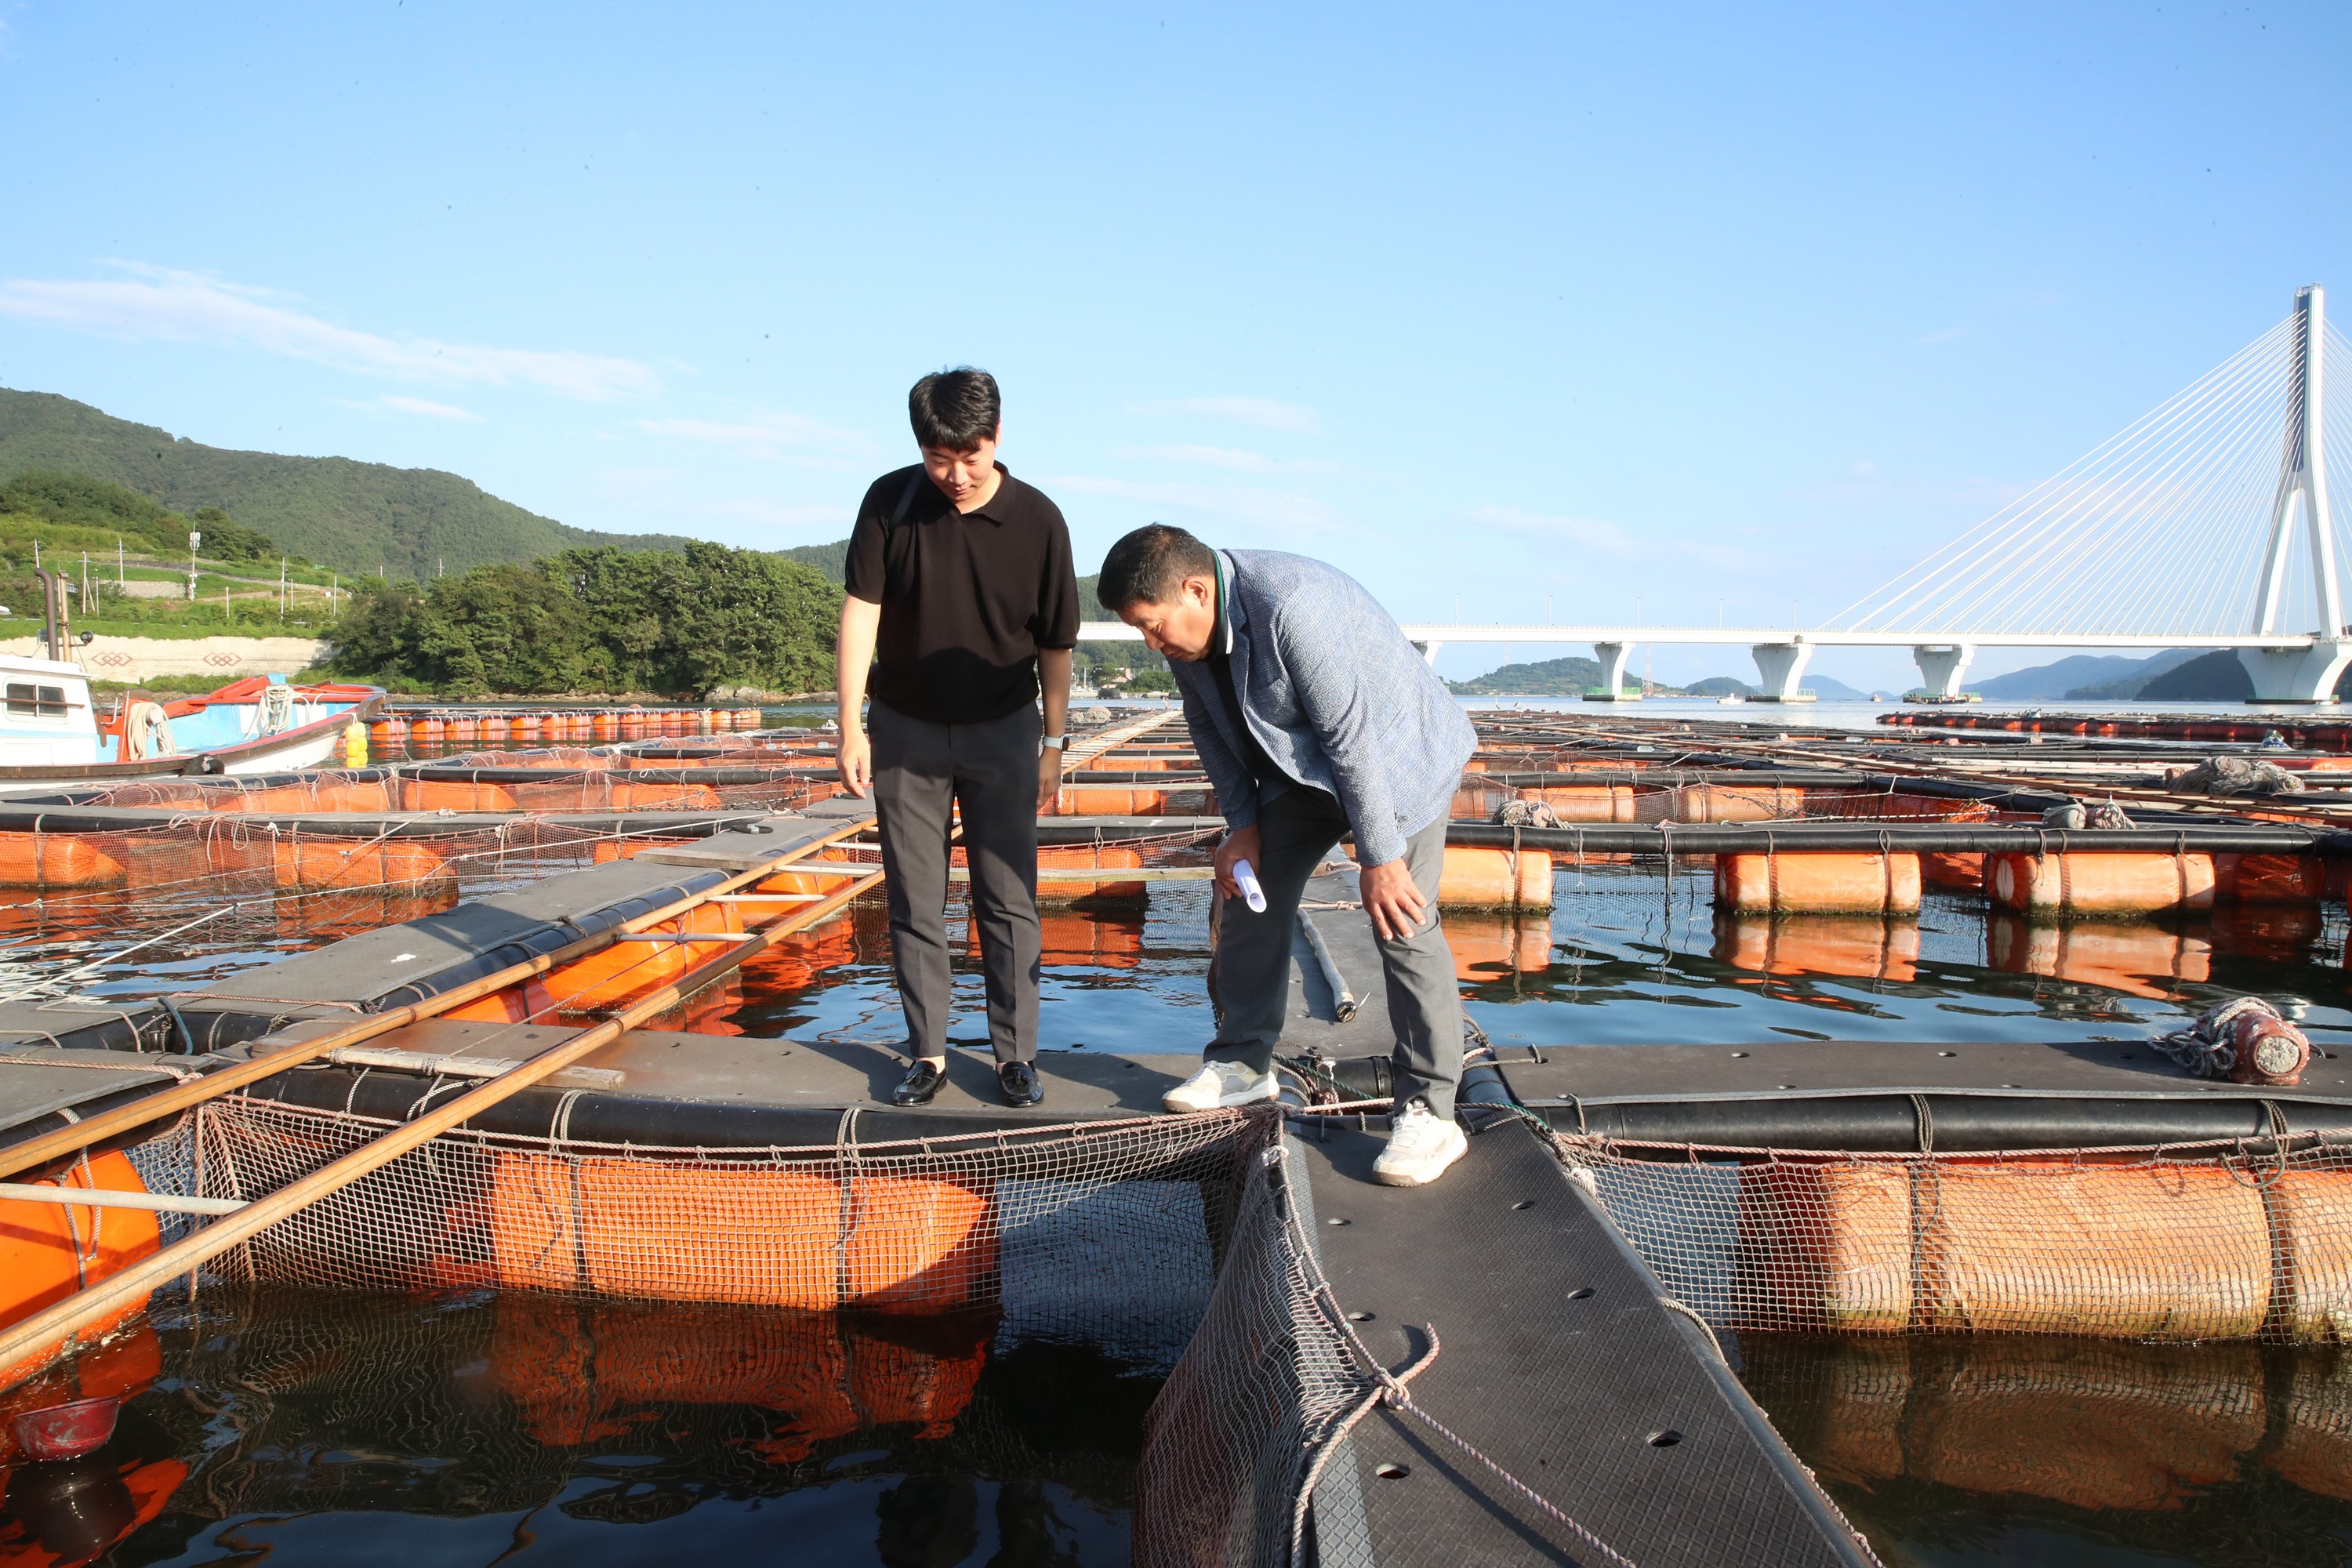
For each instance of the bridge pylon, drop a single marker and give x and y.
(1613, 657)
(2308, 673)
(1779, 666)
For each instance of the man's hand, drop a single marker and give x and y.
(1241, 844)
(854, 758)
(1392, 899)
(1049, 781)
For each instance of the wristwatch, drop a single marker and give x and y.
(1052, 741)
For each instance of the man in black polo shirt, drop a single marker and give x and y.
(960, 578)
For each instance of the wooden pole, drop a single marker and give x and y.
(71, 1140)
(93, 1301)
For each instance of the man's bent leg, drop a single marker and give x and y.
(1425, 1003)
(1296, 830)
(913, 788)
(996, 782)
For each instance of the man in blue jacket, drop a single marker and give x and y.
(1314, 718)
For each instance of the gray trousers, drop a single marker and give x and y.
(922, 772)
(1296, 830)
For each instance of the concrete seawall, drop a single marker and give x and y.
(142, 659)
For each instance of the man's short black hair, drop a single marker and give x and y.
(955, 410)
(1150, 566)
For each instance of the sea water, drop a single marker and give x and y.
(297, 1428)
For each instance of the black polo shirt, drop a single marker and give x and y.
(968, 598)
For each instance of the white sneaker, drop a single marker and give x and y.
(1219, 1085)
(1420, 1148)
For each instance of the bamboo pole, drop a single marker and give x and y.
(55, 1325)
(96, 1129)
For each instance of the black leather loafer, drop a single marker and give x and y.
(1019, 1082)
(922, 1081)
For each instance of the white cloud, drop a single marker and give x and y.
(766, 436)
(1262, 411)
(157, 304)
(427, 407)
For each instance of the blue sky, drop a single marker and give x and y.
(1733, 311)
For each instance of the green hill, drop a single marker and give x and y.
(1569, 677)
(353, 517)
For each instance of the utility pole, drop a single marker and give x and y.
(195, 538)
(85, 581)
(119, 580)
(281, 587)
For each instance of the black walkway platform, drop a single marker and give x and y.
(1560, 1363)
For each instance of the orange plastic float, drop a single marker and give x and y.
(1495, 878)
(1821, 882)
(438, 794)
(2269, 878)
(1082, 856)
(2021, 1246)
(1585, 803)
(323, 863)
(1718, 802)
(2031, 1245)
(1956, 869)
(1831, 1244)
(1110, 800)
(48, 1251)
(57, 861)
(2048, 887)
(773, 1237)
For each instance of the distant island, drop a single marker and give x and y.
(1574, 676)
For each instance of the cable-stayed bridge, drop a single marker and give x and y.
(2206, 524)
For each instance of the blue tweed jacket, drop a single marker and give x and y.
(1336, 696)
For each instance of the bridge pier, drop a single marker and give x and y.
(1613, 658)
(1429, 652)
(1779, 667)
(2297, 674)
(1941, 665)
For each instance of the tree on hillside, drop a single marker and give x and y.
(77, 500)
(368, 636)
(501, 628)
(602, 619)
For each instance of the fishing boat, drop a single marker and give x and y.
(52, 735)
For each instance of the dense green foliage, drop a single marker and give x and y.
(353, 517)
(1550, 677)
(77, 500)
(674, 622)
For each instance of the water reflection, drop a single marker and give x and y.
(1636, 957)
(526, 1427)
(1965, 1450)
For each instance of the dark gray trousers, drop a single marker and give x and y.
(1296, 830)
(922, 773)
